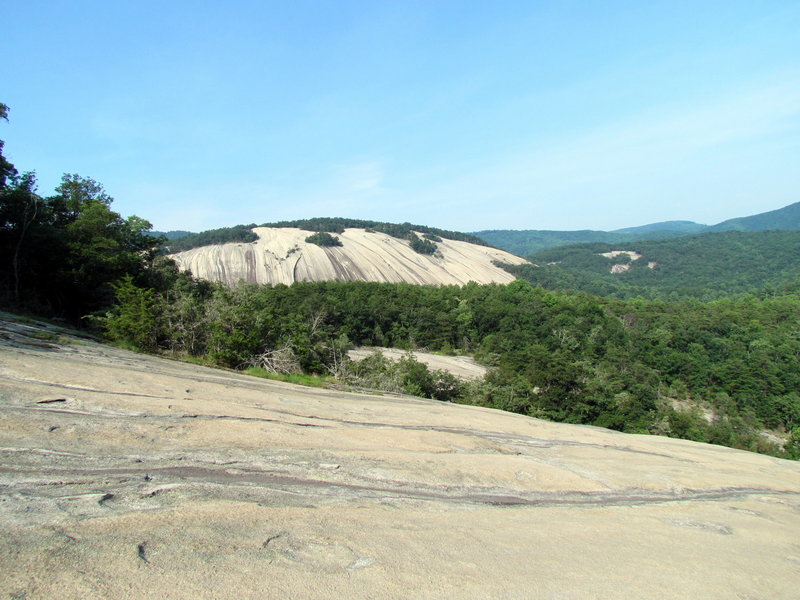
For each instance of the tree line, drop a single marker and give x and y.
(403, 231)
(240, 233)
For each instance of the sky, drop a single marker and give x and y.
(462, 115)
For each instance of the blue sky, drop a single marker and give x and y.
(462, 115)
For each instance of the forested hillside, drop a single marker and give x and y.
(527, 242)
(171, 235)
(224, 235)
(786, 218)
(682, 227)
(706, 266)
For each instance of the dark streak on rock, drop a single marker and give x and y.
(181, 416)
(266, 420)
(81, 388)
(232, 418)
(270, 539)
(487, 435)
(250, 265)
(35, 344)
(344, 268)
(271, 481)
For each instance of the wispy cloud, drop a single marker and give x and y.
(175, 205)
(671, 161)
(646, 153)
(360, 177)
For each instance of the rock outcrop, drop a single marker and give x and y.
(281, 255)
(127, 476)
(463, 367)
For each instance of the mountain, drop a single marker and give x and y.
(683, 227)
(289, 254)
(706, 266)
(171, 235)
(526, 242)
(238, 233)
(130, 476)
(786, 218)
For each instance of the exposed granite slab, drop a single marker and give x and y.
(128, 476)
(281, 255)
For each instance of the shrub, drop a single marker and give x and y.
(132, 319)
(421, 246)
(323, 239)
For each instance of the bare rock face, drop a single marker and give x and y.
(127, 476)
(463, 367)
(281, 255)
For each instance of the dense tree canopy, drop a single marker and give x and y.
(323, 239)
(62, 253)
(708, 266)
(224, 235)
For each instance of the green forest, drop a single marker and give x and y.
(62, 253)
(239, 233)
(721, 370)
(707, 266)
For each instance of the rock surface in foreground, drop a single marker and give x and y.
(127, 476)
(281, 255)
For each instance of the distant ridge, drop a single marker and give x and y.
(785, 219)
(686, 227)
(171, 235)
(529, 241)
